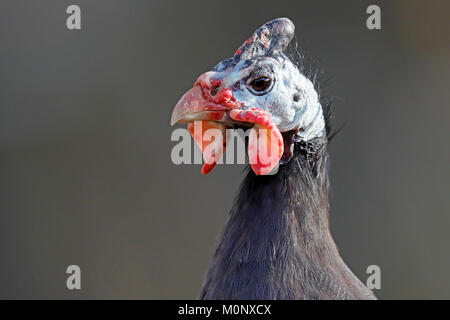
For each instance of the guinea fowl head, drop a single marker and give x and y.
(260, 88)
(276, 243)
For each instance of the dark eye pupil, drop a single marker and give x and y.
(260, 84)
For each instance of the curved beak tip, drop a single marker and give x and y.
(173, 120)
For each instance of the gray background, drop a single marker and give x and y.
(85, 170)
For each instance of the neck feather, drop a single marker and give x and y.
(276, 243)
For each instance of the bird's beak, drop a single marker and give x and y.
(207, 100)
(205, 107)
(213, 106)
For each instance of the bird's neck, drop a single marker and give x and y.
(276, 243)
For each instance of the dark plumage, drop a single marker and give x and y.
(277, 244)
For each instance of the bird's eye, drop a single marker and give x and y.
(260, 85)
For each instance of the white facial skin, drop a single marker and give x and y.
(291, 99)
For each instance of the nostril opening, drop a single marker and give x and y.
(214, 91)
(215, 86)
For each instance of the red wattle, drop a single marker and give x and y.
(212, 147)
(265, 146)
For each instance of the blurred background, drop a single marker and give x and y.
(85, 171)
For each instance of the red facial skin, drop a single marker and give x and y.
(224, 97)
(239, 50)
(261, 162)
(218, 107)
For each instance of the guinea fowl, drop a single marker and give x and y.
(276, 243)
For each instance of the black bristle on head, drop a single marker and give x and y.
(310, 68)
